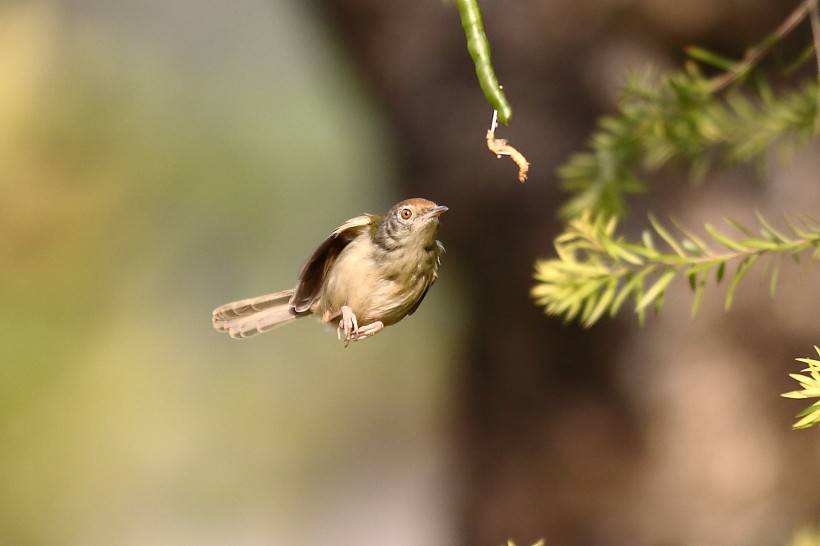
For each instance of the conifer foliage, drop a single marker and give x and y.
(688, 118)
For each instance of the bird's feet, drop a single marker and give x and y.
(347, 325)
(349, 329)
(368, 330)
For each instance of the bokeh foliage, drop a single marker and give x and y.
(681, 118)
(699, 121)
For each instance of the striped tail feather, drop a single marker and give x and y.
(248, 317)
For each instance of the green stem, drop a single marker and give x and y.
(479, 48)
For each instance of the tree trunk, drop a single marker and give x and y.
(549, 440)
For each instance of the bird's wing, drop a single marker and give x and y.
(439, 251)
(313, 273)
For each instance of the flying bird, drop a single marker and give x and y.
(370, 273)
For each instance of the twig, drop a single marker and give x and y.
(754, 54)
(499, 147)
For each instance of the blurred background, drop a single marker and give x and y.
(162, 157)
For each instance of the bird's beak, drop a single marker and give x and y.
(435, 212)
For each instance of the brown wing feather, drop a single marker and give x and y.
(313, 273)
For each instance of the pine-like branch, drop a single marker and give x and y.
(596, 271)
(810, 388)
(684, 117)
(680, 118)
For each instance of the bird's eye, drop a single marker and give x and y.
(406, 214)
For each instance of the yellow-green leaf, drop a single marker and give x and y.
(656, 290)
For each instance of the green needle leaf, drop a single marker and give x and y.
(666, 236)
(720, 272)
(724, 240)
(741, 271)
(712, 59)
(656, 291)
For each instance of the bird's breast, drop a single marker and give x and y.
(377, 285)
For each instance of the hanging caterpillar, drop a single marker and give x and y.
(479, 48)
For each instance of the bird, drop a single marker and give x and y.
(370, 273)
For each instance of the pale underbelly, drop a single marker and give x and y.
(372, 300)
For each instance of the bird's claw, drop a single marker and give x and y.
(349, 325)
(368, 330)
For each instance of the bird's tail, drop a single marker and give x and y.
(245, 318)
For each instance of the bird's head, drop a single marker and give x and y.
(410, 222)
